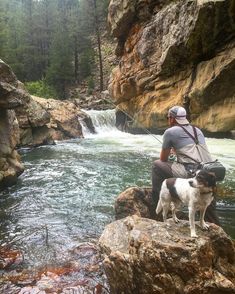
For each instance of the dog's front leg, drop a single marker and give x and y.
(203, 225)
(173, 210)
(165, 209)
(192, 222)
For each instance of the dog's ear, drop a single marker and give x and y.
(212, 179)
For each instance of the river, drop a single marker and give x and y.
(66, 194)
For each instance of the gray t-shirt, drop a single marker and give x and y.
(186, 149)
(177, 138)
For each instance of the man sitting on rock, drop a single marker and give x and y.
(188, 144)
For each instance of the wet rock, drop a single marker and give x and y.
(48, 282)
(81, 273)
(146, 256)
(47, 120)
(79, 290)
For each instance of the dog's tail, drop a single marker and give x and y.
(159, 206)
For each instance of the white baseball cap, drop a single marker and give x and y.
(179, 113)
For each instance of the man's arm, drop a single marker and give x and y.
(164, 154)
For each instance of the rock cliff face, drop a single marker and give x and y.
(175, 52)
(31, 121)
(12, 95)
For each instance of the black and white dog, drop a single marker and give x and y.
(196, 193)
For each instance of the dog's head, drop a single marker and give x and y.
(203, 179)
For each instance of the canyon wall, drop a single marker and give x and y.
(175, 53)
(27, 121)
(11, 96)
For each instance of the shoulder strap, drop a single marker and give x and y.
(195, 137)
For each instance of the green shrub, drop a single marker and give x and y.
(40, 88)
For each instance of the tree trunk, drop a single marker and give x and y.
(99, 47)
(76, 58)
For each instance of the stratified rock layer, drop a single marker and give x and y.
(144, 256)
(53, 120)
(175, 52)
(11, 96)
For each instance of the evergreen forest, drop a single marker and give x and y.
(53, 44)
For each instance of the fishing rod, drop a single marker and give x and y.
(132, 118)
(145, 129)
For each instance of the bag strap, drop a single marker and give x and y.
(195, 137)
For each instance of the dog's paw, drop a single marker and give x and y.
(194, 235)
(204, 226)
(176, 220)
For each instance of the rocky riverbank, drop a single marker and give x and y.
(27, 121)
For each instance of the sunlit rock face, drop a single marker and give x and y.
(175, 52)
(11, 96)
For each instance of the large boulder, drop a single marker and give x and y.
(43, 121)
(144, 256)
(32, 120)
(64, 118)
(138, 201)
(180, 52)
(12, 95)
(135, 201)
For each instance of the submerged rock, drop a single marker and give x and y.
(81, 273)
(146, 256)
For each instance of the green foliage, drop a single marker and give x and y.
(50, 38)
(60, 71)
(41, 89)
(90, 85)
(86, 62)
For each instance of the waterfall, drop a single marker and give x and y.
(103, 121)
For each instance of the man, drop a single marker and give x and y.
(189, 146)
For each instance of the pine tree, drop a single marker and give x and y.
(60, 71)
(52, 39)
(3, 31)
